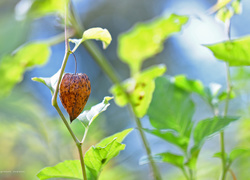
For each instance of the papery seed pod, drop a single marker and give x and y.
(74, 93)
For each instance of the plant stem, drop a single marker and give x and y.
(100, 59)
(223, 160)
(229, 89)
(54, 102)
(58, 38)
(104, 64)
(156, 173)
(233, 175)
(66, 124)
(185, 173)
(191, 174)
(79, 147)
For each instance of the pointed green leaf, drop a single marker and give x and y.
(171, 136)
(219, 155)
(70, 169)
(12, 67)
(118, 136)
(224, 14)
(97, 157)
(238, 152)
(206, 129)
(220, 4)
(49, 82)
(209, 127)
(235, 52)
(46, 7)
(94, 33)
(167, 157)
(146, 39)
(88, 116)
(223, 95)
(189, 85)
(139, 89)
(171, 108)
(237, 6)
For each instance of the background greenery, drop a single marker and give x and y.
(31, 134)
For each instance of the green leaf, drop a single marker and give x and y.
(145, 40)
(220, 4)
(139, 89)
(12, 67)
(70, 169)
(171, 108)
(49, 82)
(219, 155)
(209, 127)
(98, 34)
(97, 157)
(196, 86)
(223, 95)
(40, 8)
(93, 33)
(171, 136)
(237, 6)
(88, 116)
(238, 152)
(209, 94)
(234, 52)
(224, 14)
(167, 157)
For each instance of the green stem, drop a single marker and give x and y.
(191, 174)
(104, 64)
(79, 147)
(156, 173)
(85, 134)
(229, 89)
(58, 38)
(54, 103)
(185, 173)
(66, 124)
(223, 160)
(100, 59)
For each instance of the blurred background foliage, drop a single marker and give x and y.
(31, 134)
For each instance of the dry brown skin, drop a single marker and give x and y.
(74, 93)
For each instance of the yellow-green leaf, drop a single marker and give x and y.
(145, 40)
(12, 67)
(98, 34)
(237, 6)
(97, 157)
(224, 14)
(235, 52)
(220, 4)
(138, 89)
(41, 8)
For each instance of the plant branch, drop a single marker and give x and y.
(54, 101)
(85, 134)
(156, 173)
(104, 64)
(229, 89)
(66, 124)
(185, 173)
(233, 175)
(58, 38)
(79, 147)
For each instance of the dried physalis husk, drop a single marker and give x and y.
(74, 93)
